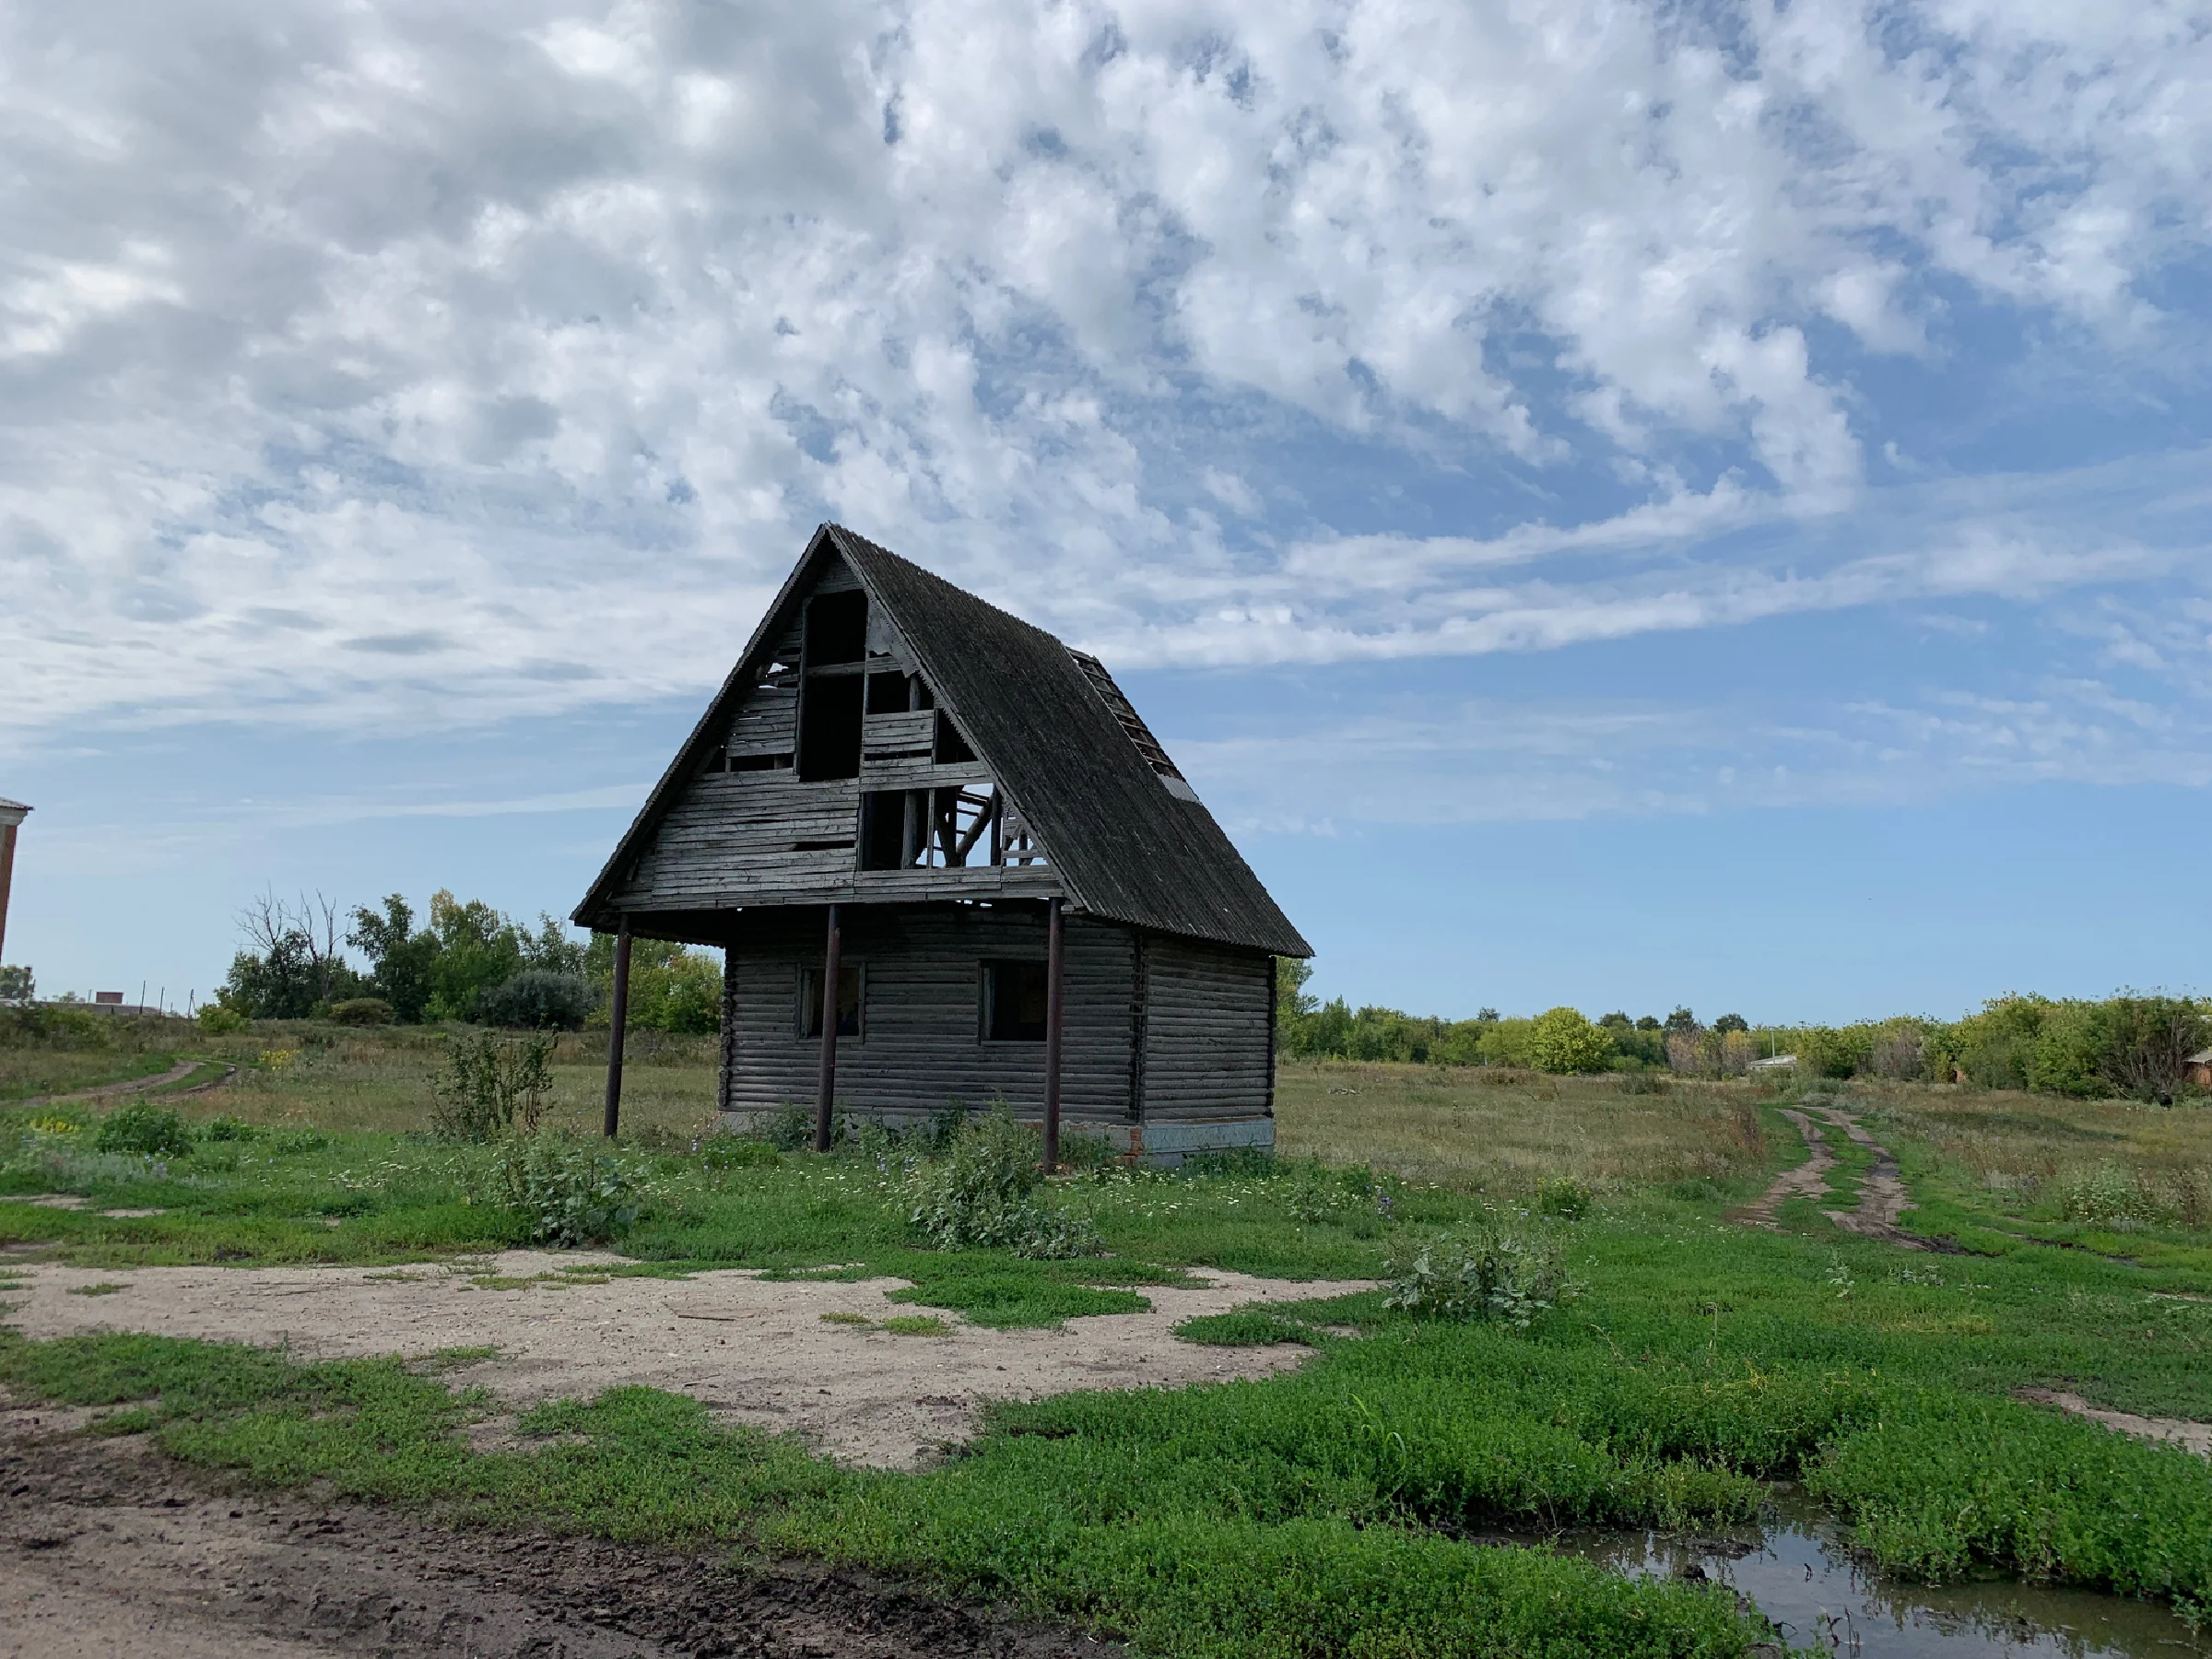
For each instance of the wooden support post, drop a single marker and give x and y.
(832, 968)
(1056, 1006)
(618, 1025)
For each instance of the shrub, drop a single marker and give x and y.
(491, 1084)
(1562, 1041)
(361, 1011)
(148, 1130)
(1563, 1196)
(229, 1129)
(1506, 1274)
(572, 1196)
(979, 1194)
(18, 988)
(219, 1021)
(537, 999)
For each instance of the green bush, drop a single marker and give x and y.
(570, 1194)
(1506, 1274)
(361, 1011)
(1562, 1041)
(146, 1129)
(537, 999)
(219, 1021)
(229, 1129)
(492, 1085)
(980, 1194)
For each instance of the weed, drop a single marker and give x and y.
(491, 1084)
(102, 1290)
(230, 1129)
(569, 1195)
(146, 1130)
(915, 1324)
(1502, 1273)
(1247, 1328)
(1564, 1196)
(847, 1318)
(979, 1194)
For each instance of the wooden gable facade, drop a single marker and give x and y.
(910, 805)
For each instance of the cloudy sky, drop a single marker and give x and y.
(1610, 503)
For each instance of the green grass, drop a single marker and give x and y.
(1319, 1512)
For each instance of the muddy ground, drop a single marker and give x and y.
(108, 1548)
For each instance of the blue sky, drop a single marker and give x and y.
(1616, 505)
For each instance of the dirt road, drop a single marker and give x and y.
(106, 1547)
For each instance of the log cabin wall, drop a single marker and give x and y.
(1208, 1031)
(921, 1044)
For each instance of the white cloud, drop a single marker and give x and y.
(390, 360)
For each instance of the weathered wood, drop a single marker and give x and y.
(833, 964)
(618, 1025)
(1055, 1010)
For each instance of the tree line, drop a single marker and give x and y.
(2132, 1044)
(469, 963)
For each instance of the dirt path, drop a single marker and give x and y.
(753, 1350)
(175, 1074)
(2179, 1432)
(106, 1547)
(1883, 1199)
(1808, 1180)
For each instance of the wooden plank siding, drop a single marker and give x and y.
(921, 1044)
(1209, 1044)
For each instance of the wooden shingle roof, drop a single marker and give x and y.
(1127, 836)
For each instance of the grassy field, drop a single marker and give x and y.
(1325, 1511)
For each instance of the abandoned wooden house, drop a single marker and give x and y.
(947, 860)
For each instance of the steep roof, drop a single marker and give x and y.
(1127, 836)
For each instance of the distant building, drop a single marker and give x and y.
(11, 814)
(2199, 1074)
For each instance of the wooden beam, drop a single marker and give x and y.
(832, 967)
(618, 1023)
(1055, 1009)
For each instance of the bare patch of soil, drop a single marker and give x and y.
(753, 1350)
(175, 1074)
(1808, 1180)
(2179, 1432)
(107, 1547)
(1883, 1199)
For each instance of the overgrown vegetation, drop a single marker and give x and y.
(2130, 1045)
(1319, 1511)
(980, 1192)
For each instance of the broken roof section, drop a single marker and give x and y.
(1128, 837)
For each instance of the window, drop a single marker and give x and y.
(888, 693)
(952, 748)
(851, 979)
(830, 727)
(837, 628)
(1015, 997)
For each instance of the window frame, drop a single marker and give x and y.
(806, 1006)
(986, 1000)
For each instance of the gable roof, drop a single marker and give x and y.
(1126, 837)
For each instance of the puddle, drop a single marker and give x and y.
(1801, 1574)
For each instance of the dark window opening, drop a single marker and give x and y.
(887, 693)
(758, 762)
(886, 830)
(830, 727)
(837, 628)
(850, 978)
(952, 747)
(1013, 1002)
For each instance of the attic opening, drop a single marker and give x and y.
(837, 628)
(829, 723)
(833, 694)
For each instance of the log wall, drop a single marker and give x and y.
(1159, 1030)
